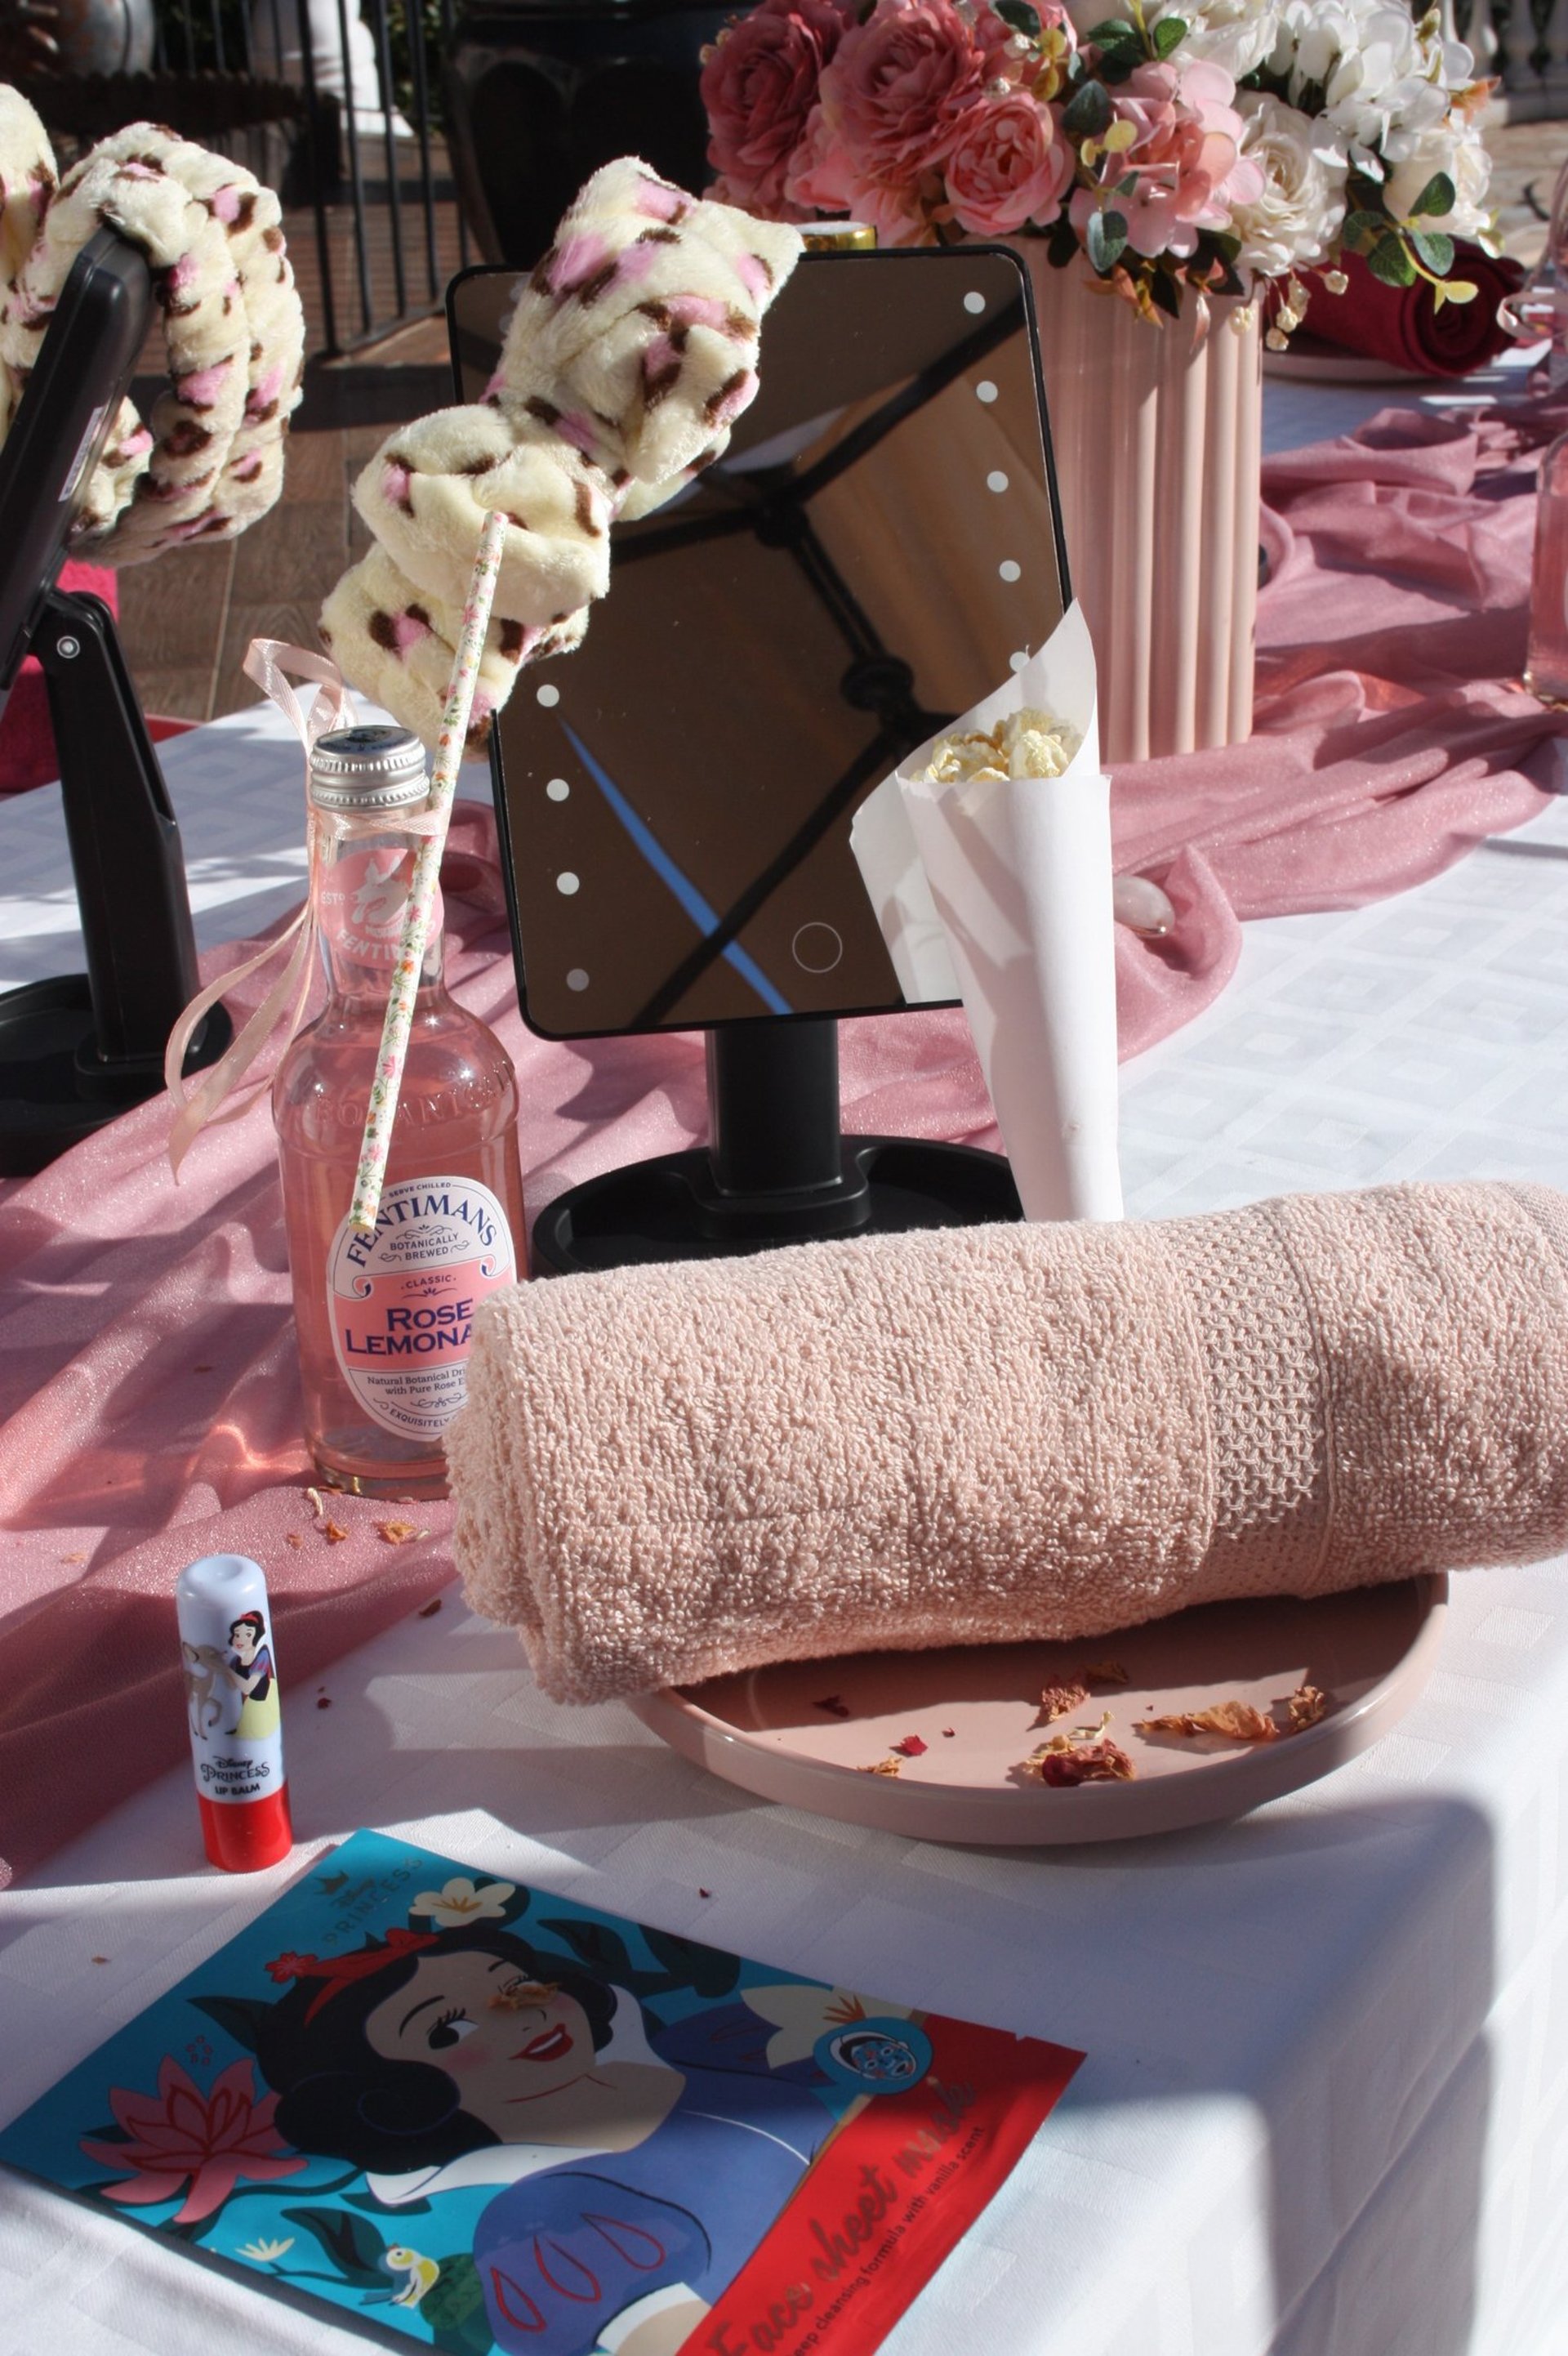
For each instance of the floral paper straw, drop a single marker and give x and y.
(388, 1075)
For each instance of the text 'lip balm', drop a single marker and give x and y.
(231, 1703)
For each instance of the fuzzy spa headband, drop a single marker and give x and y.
(211, 462)
(632, 350)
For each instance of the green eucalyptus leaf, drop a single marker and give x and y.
(1434, 250)
(1088, 112)
(1391, 262)
(1363, 224)
(1116, 33)
(1437, 197)
(1165, 293)
(1169, 34)
(1105, 240)
(1019, 16)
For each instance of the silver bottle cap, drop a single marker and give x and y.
(373, 767)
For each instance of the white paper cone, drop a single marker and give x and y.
(883, 844)
(1018, 875)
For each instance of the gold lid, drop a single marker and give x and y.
(839, 237)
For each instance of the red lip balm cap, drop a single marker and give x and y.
(243, 1840)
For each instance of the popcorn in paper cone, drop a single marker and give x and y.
(1003, 884)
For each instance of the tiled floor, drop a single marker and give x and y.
(187, 620)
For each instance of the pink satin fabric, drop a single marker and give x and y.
(147, 1362)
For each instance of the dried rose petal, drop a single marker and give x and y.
(1104, 1673)
(1238, 1722)
(911, 1747)
(833, 1705)
(334, 1533)
(1084, 1762)
(883, 1767)
(399, 1532)
(293, 1537)
(428, 1611)
(1061, 1701)
(950, 1732)
(1307, 1704)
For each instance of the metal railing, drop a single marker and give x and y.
(375, 228)
(1523, 43)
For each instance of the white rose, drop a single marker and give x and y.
(1235, 33)
(1456, 150)
(1379, 80)
(1295, 220)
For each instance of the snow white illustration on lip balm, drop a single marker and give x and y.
(636, 2164)
(251, 1673)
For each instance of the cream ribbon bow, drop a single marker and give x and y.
(272, 663)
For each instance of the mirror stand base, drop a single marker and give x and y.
(673, 1209)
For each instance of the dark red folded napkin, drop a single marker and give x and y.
(27, 734)
(1402, 325)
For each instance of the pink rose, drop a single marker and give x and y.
(820, 176)
(759, 86)
(1010, 165)
(1185, 157)
(821, 179)
(896, 94)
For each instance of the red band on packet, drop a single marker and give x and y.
(888, 2198)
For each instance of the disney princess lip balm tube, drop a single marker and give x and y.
(231, 1702)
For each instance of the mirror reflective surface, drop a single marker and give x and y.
(878, 544)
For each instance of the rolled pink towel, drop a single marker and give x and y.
(987, 1434)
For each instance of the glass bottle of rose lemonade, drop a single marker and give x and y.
(384, 1321)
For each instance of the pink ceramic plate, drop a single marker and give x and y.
(977, 1710)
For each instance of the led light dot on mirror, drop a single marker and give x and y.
(1010, 570)
(558, 789)
(577, 979)
(984, 390)
(973, 301)
(566, 881)
(996, 480)
(547, 695)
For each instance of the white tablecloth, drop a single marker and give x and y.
(1324, 2111)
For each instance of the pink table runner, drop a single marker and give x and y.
(146, 1366)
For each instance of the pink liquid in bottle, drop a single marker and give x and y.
(384, 1323)
(1546, 674)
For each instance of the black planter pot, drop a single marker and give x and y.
(541, 93)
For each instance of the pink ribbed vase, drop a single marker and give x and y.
(1158, 438)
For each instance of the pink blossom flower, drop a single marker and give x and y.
(1011, 165)
(1186, 157)
(759, 86)
(898, 91)
(210, 2140)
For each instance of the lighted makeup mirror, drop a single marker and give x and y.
(880, 543)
